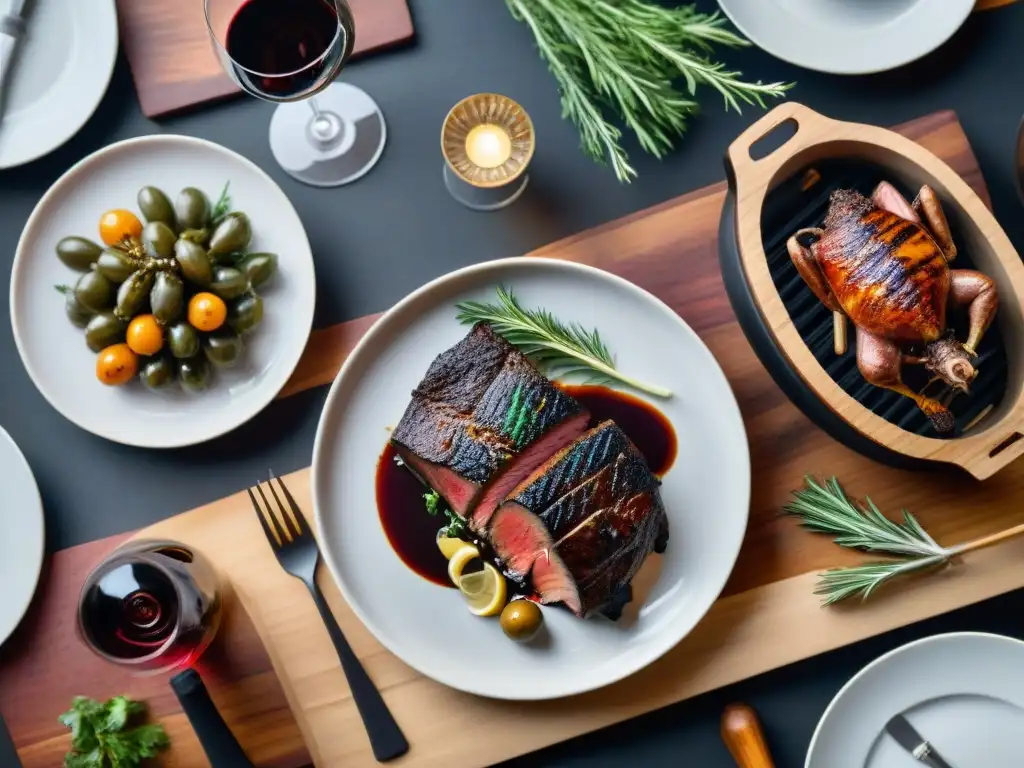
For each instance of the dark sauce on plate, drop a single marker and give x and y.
(413, 533)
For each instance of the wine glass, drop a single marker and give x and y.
(150, 605)
(287, 51)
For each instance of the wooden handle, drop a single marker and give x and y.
(808, 122)
(742, 734)
(1006, 445)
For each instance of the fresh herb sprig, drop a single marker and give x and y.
(101, 736)
(435, 505)
(556, 348)
(223, 204)
(625, 55)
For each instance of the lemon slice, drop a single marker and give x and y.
(485, 591)
(449, 546)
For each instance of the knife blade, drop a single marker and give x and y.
(907, 737)
(12, 27)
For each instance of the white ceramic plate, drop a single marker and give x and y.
(706, 492)
(60, 72)
(21, 535)
(962, 692)
(848, 37)
(54, 351)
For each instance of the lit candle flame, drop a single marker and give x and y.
(488, 146)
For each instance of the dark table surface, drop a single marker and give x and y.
(380, 238)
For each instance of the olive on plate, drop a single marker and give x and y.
(259, 268)
(94, 291)
(194, 262)
(228, 282)
(183, 340)
(157, 373)
(156, 206)
(167, 297)
(231, 235)
(245, 313)
(194, 374)
(192, 208)
(78, 253)
(133, 293)
(103, 330)
(521, 619)
(77, 314)
(223, 348)
(115, 265)
(159, 239)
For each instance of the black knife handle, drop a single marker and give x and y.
(220, 745)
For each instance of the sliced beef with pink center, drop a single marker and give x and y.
(482, 419)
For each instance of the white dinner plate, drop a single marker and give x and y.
(54, 351)
(961, 691)
(21, 535)
(706, 492)
(848, 37)
(59, 74)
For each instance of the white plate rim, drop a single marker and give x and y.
(627, 669)
(286, 367)
(40, 556)
(896, 61)
(907, 648)
(75, 124)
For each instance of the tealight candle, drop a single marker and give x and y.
(487, 141)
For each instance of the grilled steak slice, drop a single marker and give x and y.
(583, 524)
(482, 419)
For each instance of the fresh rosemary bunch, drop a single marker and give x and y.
(554, 347)
(626, 55)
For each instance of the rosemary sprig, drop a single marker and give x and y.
(827, 509)
(223, 204)
(554, 347)
(625, 55)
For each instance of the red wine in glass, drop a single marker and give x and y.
(287, 51)
(150, 605)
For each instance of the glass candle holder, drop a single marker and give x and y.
(487, 141)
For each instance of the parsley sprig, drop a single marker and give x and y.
(101, 736)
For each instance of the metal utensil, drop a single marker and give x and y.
(219, 743)
(297, 552)
(908, 738)
(12, 27)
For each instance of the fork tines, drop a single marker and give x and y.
(287, 524)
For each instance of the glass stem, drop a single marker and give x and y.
(325, 129)
(316, 110)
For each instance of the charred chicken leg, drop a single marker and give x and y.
(884, 263)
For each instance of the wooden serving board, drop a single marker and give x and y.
(172, 57)
(767, 616)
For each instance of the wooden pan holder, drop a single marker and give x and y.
(982, 450)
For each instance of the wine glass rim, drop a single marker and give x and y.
(217, 41)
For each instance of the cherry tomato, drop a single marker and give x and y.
(207, 312)
(116, 365)
(145, 337)
(118, 224)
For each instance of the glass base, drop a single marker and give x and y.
(483, 198)
(337, 147)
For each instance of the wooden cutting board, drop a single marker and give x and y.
(766, 618)
(171, 54)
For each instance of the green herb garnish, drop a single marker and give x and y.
(435, 505)
(626, 56)
(554, 347)
(101, 738)
(63, 289)
(223, 204)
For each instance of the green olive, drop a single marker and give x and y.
(157, 373)
(132, 295)
(195, 264)
(183, 340)
(78, 253)
(521, 619)
(245, 313)
(192, 208)
(103, 330)
(156, 206)
(76, 313)
(259, 268)
(228, 282)
(115, 265)
(167, 297)
(232, 234)
(194, 374)
(223, 348)
(159, 239)
(94, 291)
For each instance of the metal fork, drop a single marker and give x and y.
(299, 555)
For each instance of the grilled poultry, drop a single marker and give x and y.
(884, 263)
